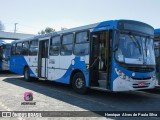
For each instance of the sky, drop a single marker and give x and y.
(33, 16)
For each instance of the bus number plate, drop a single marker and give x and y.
(141, 84)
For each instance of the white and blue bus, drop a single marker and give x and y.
(5, 49)
(116, 55)
(157, 54)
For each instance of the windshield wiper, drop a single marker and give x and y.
(135, 41)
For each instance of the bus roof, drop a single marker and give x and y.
(1, 44)
(157, 31)
(157, 34)
(4, 42)
(105, 25)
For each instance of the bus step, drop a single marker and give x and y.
(102, 75)
(42, 78)
(102, 83)
(98, 88)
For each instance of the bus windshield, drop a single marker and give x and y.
(133, 49)
(6, 52)
(157, 46)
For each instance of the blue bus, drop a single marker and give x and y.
(5, 49)
(157, 53)
(115, 55)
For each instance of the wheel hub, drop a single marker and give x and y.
(79, 83)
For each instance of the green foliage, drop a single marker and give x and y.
(47, 30)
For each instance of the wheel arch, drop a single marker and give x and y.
(26, 66)
(73, 73)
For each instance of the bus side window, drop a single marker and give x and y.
(67, 44)
(19, 49)
(33, 50)
(25, 47)
(81, 43)
(13, 50)
(54, 46)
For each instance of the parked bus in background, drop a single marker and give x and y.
(116, 55)
(5, 49)
(157, 53)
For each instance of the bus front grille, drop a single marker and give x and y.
(139, 69)
(137, 85)
(149, 78)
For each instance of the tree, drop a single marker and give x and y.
(47, 30)
(1, 26)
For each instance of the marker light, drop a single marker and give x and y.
(122, 75)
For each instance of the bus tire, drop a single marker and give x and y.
(27, 74)
(79, 84)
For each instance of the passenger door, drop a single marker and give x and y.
(43, 58)
(33, 57)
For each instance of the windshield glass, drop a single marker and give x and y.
(6, 53)
(157, 47)
(135, 50)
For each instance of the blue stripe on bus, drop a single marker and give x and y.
(18, 65)
(157, 30)
(80, 65)
(114, 75)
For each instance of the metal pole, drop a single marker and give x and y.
(15, 28)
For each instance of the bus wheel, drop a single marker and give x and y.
(26, 74)
(78, 83)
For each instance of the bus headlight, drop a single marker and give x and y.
(122, 75)
(153, 77)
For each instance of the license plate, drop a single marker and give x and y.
(141, 84)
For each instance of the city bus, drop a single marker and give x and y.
(157, 54)
(5, 49)
(115, 55)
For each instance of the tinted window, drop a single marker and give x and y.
(55, 41)
(1, 53)
(66, 50)
(25, 48)
(19, 49)
(81, 37)
(54, 47)
(34, 43)
(67, 39)
(6, 52)
(13, 50)
(54, 50)
(81, 43)
(33, 47)
(81, 49)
